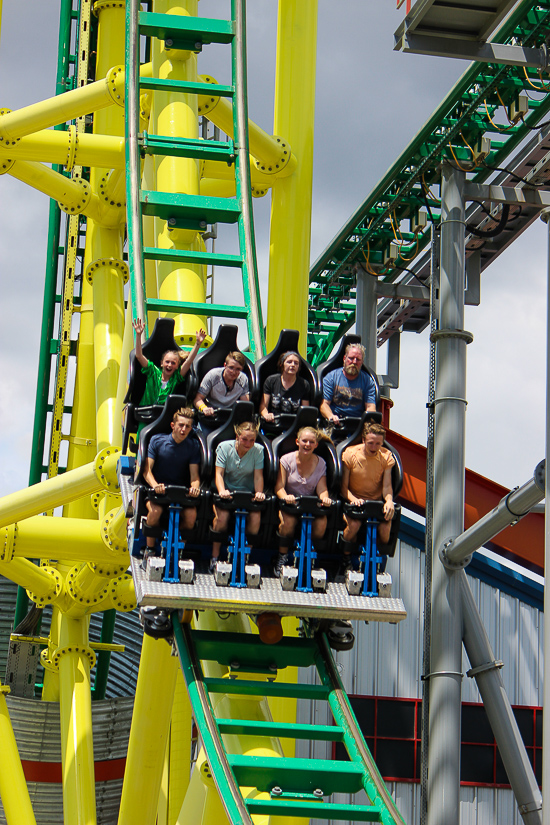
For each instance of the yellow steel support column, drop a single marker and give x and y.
(75, 658)
(105, 267)
(149, 733)
(291, 197)
(179, 750)
(175, 115)
(13, 786)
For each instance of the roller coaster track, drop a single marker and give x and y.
(305, 781)
(185, 211)
(468, 129)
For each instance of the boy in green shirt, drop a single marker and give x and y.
(173, 368)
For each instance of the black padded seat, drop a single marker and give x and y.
(266, 366)
(160, 340)
(336, 360)
(215, 355)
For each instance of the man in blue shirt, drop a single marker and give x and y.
(173, 458)
(348, 390)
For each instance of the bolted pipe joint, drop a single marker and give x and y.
(113, 530)
(84, 587)
(105, 467)
(448, 563)
(52, 587)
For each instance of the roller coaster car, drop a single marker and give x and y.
(266, 366)
(347, 424)
(161, 340)
(373, 554)
(175, 498)
(214, 356)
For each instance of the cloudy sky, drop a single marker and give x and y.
(370, 102)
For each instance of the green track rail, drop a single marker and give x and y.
(181, 210)
(296, 786)
(454, 133)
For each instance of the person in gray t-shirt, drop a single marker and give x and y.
(239, 468)
(222, 386)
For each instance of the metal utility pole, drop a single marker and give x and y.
(450, 404)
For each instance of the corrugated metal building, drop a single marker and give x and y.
(387, 662)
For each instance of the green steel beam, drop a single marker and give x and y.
(461, 121)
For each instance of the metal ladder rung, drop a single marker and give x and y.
(297, 775)
(283, 730)
(161, 84)
(313, 810)
(226, 648)
(189, 211)
(191, 308)
(188, 256)
(185, 32)
(219, 150)
(286, 690)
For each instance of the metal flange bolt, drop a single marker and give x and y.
(7, 546)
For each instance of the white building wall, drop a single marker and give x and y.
(387, 661)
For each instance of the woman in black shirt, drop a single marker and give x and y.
(285, 392)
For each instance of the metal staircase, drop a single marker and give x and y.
(477, 127)
(289, 786)
(187, 211)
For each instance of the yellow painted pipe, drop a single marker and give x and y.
(274, 155)
(107, 272)
(149, 734)
(175, 115)
(52, 146)
(50, 691)
(59, 490)
(179, 749)
(43, 537)
(221, 171)
(121, 595)
(73, 194)
(82, 438)
(290, 235)
(42, 581)
(105, 268)
(75, 658)
(67, 106)
(13, 786)
(123, 375)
